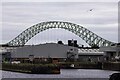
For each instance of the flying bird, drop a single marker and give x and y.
(91, 10)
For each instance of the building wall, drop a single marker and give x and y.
(112, 53)
(90, 58)
(43, 50)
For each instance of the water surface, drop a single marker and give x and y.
(65, 73)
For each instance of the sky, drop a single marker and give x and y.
(18, 16)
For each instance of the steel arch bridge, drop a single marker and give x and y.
(89, 37)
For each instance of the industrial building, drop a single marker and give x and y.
(61, 52)
(55, 51)
(52, 50)
(90, 55)
(112, 53)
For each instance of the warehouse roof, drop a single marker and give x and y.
(90, 52)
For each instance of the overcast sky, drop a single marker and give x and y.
(18, 16)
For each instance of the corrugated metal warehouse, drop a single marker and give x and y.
(52, 50)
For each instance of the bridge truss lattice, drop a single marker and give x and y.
(89, 37)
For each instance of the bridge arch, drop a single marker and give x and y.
(89, 37)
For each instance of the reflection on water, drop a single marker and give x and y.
(65, 73)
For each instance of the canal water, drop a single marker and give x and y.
(65, 73)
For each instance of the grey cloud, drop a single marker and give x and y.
(19, 16)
